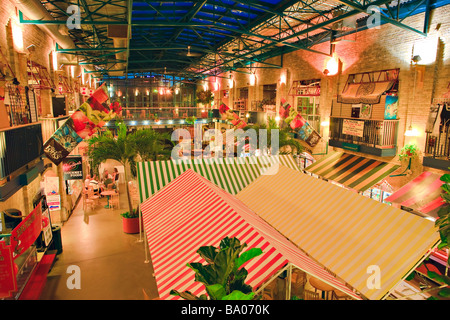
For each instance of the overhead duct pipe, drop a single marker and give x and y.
(33, 9)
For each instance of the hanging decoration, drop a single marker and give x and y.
(299, 124)
(231, 116)
(83, 123)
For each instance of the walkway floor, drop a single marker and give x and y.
(112, 263)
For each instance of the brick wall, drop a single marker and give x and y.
(388, 47)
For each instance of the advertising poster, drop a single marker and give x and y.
(8, 282)
(391, 108)
(73, 168)
(54, 202)
(82, 124)
(51, 185)
(26, 232)
(47, 227)
(353, 127)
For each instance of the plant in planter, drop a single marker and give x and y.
(223, 276)
(190, 120)
(130, 221)
(125, 148)
(409, 151)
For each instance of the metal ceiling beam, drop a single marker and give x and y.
(395, 22)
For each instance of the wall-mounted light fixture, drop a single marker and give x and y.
(411, 132)
(216, 85)
(332, 66)
(252, 79)
(282, 78)
(416, 59)
(325, 123)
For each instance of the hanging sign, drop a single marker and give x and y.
(82, 124)
(353, 127)
(73, 168)
(26, 232)
(8, 281)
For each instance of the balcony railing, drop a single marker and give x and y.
(164, 113)
(378, 135)
(438, 146)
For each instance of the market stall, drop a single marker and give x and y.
(351, 235)
(422, 194)
(352, 171)
(231, 174)
(175, 220)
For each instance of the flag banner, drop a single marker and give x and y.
(83, 123)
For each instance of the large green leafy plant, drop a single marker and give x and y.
(223, 276)
(443, 223)
(285, 138)
(125, 148)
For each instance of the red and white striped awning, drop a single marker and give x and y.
(191, 212)
(422, 194)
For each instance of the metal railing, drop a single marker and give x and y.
(163, 113)
(438, 146)
(376, 133)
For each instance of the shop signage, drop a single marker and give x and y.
(73, 168)
(350, 146)
(26, 232)
(353, 127)
(8, 282)
(53, 202)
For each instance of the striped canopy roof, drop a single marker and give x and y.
(344, 231)
(422, 194)
(231, 174)
(191, 212)
(352, 171)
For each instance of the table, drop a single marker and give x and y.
(322, 286)
(108, 193)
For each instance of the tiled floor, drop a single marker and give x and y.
(112, 263)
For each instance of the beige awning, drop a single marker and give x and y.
(346, 232)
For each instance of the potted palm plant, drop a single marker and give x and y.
(125, 148)
(286, 143)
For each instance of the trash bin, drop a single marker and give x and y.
(56, 243)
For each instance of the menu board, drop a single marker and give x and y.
(353, 127)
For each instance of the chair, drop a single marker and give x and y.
(114, 201)
(310, 295)
(87, 202)
(339, 295)
(298, 281)
(93, 195)
(270, 290)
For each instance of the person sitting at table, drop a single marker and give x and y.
(106, 175)
(109, 184)
(115, 176)
(94, 184)
(87, 181)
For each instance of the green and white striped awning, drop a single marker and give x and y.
(352, 171)
(231, 174)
